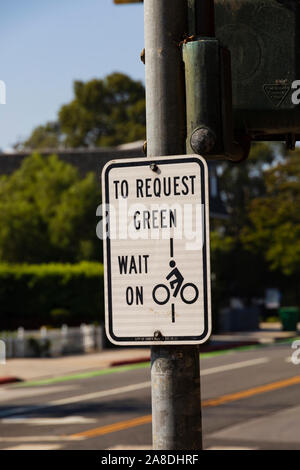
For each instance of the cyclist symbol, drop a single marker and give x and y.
(189, 292)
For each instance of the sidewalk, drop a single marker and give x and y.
(33, 368)
(267, 334)
(38, 368)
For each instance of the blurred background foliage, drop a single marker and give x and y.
(48, 212)
(51, 294)
(257, 247)
(104, 112)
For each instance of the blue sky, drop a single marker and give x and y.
(46, 44)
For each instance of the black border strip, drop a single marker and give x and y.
(108, 250)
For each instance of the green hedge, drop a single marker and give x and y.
(32, 295)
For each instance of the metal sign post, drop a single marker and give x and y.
(175, 372)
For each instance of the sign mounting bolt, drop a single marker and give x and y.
(157, 335)
(154, 167)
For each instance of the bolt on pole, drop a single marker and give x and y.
(175, 371)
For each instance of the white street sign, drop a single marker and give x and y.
(156, 250)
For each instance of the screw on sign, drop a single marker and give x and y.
(156, 250)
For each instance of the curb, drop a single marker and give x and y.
(9, 380)
(206, 348)
(130, 361)
(145, 360)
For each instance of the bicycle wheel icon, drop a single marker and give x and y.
(189, 293)
(161, 294)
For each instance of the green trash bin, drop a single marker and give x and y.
(289, 317)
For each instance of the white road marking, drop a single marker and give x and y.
(235, 365)
(102, 394)
(38, 439)
(48, 421)
(231, 448)
(9, 394)
(132, 447)
(35, 447)
(76, 399)
(124, 389)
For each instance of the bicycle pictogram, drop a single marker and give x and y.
(188, 292)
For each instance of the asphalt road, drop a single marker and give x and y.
(251, 400)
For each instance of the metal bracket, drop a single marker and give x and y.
(209, 101)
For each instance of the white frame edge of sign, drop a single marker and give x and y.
(208, 325)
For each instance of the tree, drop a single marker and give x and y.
(275, 218)
(242, 182)
(43, 137)
(47, 213)
(103, 113)
(237, 270)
